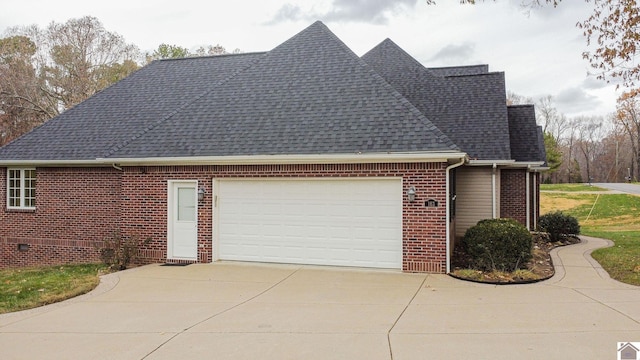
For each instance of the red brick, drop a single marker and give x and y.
(77, 208)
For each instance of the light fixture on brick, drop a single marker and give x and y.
(411, 194)
(201, 193)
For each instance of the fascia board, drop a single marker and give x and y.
(250, 159)
(290, 159)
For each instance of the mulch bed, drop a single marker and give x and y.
(540, 267)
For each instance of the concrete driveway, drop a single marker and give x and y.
(633, 189)
(254, 311)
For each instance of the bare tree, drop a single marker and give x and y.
(551, 120)
(589, 132)
(517, 99)
(46, 71)
(628, 117)
(22, 104)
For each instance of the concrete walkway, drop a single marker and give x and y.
(254, 311)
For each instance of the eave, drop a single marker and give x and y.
(408, 157)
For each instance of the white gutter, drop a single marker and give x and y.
(493, 191)
(528, 192)
(509, 163)
(535, 201)
(448, 215)
(61, 163)
(491, 162)
(250, 159)
(292, 159)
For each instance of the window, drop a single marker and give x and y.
(21, 188)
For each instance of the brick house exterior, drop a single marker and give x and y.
(294, 113)
(115, 196)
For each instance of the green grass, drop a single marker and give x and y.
(622, 261)
(22, 289)
(609, 216)
(570, 187)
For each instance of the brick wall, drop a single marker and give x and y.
(513, 199)
(75, 208)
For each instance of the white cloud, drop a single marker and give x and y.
(369, 11)
(455, 53)
(575, 100)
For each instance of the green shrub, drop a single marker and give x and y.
(498, 245)
(558, 225)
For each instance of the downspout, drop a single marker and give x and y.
(528, 192)
(493, 192)
(535, 200)
(116, 167)
(448, 211)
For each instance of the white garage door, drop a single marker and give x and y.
(324, 222)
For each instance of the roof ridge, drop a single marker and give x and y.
(411, 107)
(211, 56)
(520, 105)
(456, 66)
(471, 75)
(388, 41)
(403, 100)
(120, 146)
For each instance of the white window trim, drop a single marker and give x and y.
(22, 189)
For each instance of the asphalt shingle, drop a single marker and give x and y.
(94, 127)
(459, 70)
(310, 95)
(469, 109)
(525, 135)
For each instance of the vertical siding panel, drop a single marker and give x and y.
(473, 197)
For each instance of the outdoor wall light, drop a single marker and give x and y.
(411, 194)
(201, 193)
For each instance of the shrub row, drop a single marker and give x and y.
(506, 245)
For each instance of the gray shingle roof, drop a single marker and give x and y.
(459, 70)
(470, 110)
(541, 148)
(104, 121)
(524, 134)
(310, 95)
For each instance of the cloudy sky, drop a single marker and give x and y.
(540, 52)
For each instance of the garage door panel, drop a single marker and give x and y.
(330, 222)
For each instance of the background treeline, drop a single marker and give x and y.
(45, 71)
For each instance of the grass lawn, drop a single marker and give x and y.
(609, 216)
(22, 289)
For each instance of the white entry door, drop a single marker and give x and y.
(182, 220)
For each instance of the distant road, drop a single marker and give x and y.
(623, 187)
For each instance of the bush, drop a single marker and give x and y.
(558, 225)
(498, 245)
(118, 251)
